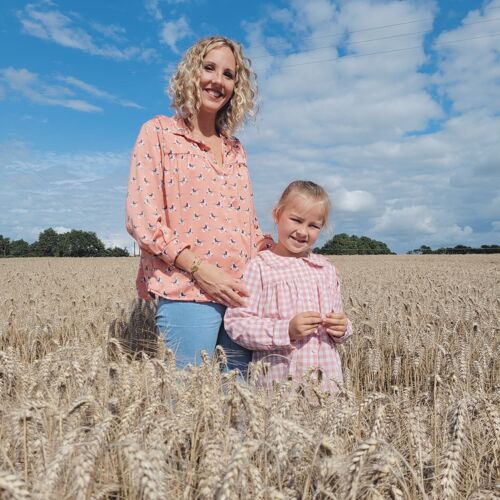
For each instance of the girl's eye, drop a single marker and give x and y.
(229, 75)
(208, 67)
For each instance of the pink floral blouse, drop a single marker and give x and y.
(281, 287)
(179, 197)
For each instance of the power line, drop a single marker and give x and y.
(349, 56)
(388, 37)
(371, 28)
(344, 33)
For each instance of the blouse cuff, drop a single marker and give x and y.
(169, 248)
(281, 337)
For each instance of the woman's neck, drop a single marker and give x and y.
(205, 125)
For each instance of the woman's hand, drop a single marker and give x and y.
(335, 324)
(303, 324)
(219, 285)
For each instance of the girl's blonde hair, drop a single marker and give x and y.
(184, 89)
(312, 192)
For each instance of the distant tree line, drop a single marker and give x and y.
(343, 244)
(74, 243)
(459, 249)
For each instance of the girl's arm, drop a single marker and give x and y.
(145, 213)
(247, 326)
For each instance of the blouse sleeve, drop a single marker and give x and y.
(146, 219)
(339, 307)
(247, 326)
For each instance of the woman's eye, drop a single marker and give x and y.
(208, 67)
(228, 74)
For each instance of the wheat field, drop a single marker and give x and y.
(93, 408)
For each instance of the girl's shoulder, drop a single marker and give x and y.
(267, 258)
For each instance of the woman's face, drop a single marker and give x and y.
(217, 79)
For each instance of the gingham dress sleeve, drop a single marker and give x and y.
(145, 207)
(247, 325)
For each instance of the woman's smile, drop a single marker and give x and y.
(217, 79)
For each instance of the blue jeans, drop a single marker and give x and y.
(191, 327)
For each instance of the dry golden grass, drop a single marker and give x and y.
(91, 407)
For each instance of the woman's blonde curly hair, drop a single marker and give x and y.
(184, 90)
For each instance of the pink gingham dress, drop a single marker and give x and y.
(281, 287)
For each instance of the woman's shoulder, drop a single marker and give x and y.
(161, 122)
(235, 149)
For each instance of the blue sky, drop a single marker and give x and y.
(394, 106)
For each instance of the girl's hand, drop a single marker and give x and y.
(303, 324)
(335, 324)
(220, 286)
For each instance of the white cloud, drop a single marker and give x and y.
(45, 22)
(174, 31)
(27, 84)
(405, 169)
(93, 90)
(61, 229)
(111, 31)
(420, 221)
(469, 71)
(153, 7)
(356, 201)
(30, 86)
(42, 182)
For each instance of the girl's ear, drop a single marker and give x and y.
(275, 215)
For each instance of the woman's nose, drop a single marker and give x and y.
(216, 77)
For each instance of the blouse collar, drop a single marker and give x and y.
(179, 127)
(274, 260)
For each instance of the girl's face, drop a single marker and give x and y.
(299, 224)
(217, 79)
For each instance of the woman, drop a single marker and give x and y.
(190, 202)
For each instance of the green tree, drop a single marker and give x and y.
(77, 243)
(117, 252)
(49, 244)
(4, 246)
(20, 248)
(343, 244)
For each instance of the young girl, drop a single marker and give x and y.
(293, 317)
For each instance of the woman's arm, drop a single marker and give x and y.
(214, 282)
(145, 213)
(246, 325)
